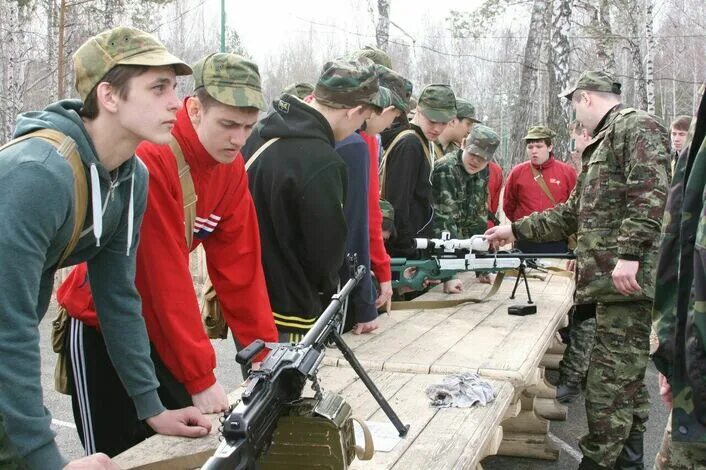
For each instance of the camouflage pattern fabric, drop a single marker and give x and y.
(482, 142)
(539, 132)
(400, 88)
(615, 208)
(388, 212)
(10, 459)
(460, 199)
(675, 455)
(301, 90)
(346, 83)
(438, 103)
(440, 151)
(119, 46)
(574, 365)
(616, 397)
(593, 80)
(465, 110)
(378, 56)
(230, 79)
(679, 312)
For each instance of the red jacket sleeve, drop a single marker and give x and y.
(509, 202)
(234, 265)
(379, 259)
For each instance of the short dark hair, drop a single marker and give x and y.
(547, 142)
(576, 126)
(119, 79)
(681, 123)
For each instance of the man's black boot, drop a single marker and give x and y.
(567, 392)
(588, 464)
(632, 456)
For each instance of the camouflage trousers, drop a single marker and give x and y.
(574, 365)
(10, 458)
(616, 397)
(675, 455)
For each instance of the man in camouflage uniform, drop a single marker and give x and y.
(460, 183)
(615, 209)
(680, 305)
(458, 129)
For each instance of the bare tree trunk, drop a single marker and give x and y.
(382, 32)
(606, 44)
(528, 82)
(559, 75)
(649, 63)
(633, 13)
(61, 55)
(50, 43)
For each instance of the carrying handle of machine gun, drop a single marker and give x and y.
(248, 353)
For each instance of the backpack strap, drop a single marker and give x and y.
(542, 184)
(395, 141)
(188, 192)
(259, 151)
(67, 148)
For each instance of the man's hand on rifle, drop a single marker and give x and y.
(499, 236)
(367, 327)
(453, 286)
(385, 297)
(92, 462)
(187, 422)
(211, 400)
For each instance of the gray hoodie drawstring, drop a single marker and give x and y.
(96, 204)
(130, 213)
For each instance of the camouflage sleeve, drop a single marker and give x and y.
(554, 224)
(647, 146)
(446, 208)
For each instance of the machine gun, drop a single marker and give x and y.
(279, 383)
(444, 257)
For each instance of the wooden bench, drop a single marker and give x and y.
(447, 438)
(482, 338)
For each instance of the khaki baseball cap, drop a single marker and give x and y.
(346, 83)
(438, 103)
(230, 79)
(466, 110)
(593, 80)
(119, 46)
(482, 142)
(539, 132)
(301, 90)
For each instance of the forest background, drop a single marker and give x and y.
(508, 57)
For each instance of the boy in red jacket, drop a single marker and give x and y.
(209, 130)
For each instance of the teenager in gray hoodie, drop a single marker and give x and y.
(126, 81)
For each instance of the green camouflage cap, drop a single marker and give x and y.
(539, 132)
(593, 80)
(438, 103)
(230, 79)
(346, 83)
(465, 110)
(378, 56)
(400, 88)
(301, 90)
(482, 142)
(119, 46)
(388, 212)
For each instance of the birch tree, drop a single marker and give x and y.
(559, 110)
(382, 31)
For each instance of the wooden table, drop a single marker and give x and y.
(448, 438)
(481, 338)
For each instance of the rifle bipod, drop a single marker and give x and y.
(529, 308)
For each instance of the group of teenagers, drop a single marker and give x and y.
(347, 165)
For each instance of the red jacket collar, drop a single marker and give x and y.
(185, 134)
(548, 164)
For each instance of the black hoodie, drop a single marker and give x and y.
(408, 188)
(298, 185)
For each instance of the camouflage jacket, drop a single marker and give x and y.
(616, 206)
(679, 314)
(460, 199)
(440, 152)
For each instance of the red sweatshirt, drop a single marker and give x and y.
(495, 185)
(523, 195)
(379, 259)
(227, 226)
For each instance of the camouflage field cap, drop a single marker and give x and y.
(347, 83)
(465, 110)
(230, 79)
(593, 80)
(400, 87)
(378, 56)
(119, 46)
(388, 212)
(301, 90)
(438, 103)
(483, 141)
(539, 132)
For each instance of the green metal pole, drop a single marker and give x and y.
(223, 25)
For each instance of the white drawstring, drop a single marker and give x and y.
(96, 204)
(130, 213)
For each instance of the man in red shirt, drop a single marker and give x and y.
(538, 184)
(209, 130)
(495, 186)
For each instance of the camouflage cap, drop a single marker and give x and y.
(230, 79)
(378, 56)
(388, 212)
(539, 133)
(301, 90)
(400, 87)
(594, 80)
(119, 46)
(465, 110)
(483, 141)
(346, 83)
(437, 103)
